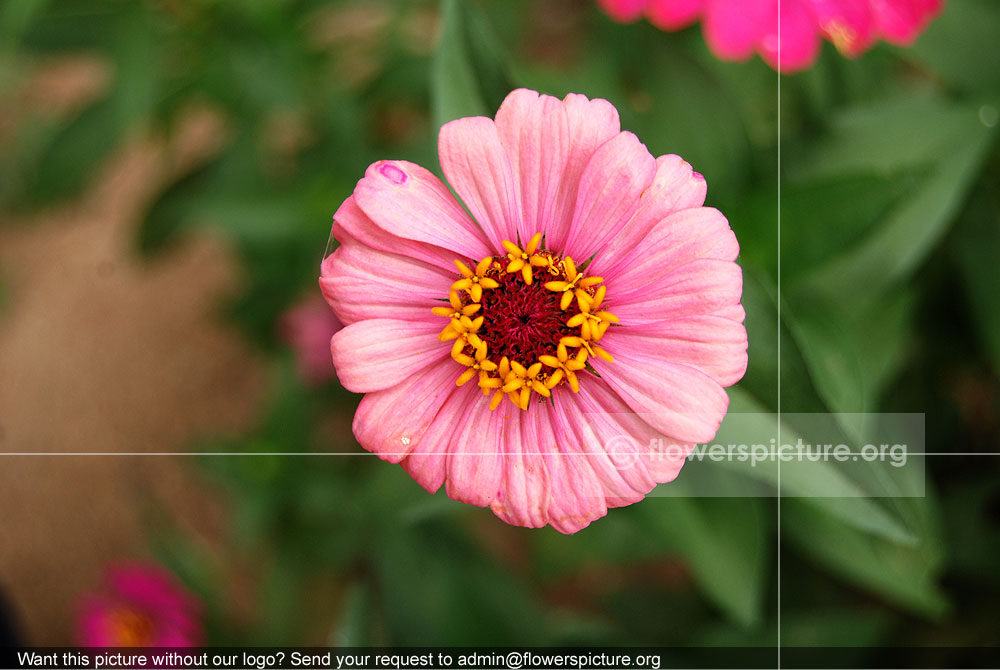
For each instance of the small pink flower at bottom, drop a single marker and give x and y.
(735, 29)
(140, 605)
(307, 327)
(529, 356)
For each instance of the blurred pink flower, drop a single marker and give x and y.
(140, 605)
(735, 29)
(593, 292)
(307, 327)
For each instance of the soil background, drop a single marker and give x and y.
(104, 351)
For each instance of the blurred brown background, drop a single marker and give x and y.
(102, 351)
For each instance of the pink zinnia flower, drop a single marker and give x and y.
(307, 327)
(140, 606)
(527, 356)
(735, 29)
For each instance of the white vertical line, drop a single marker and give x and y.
(779, 338)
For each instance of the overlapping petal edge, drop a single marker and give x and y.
(566, 170)
(735, 29)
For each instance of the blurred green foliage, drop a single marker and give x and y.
(889, 234)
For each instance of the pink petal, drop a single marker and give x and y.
(900, 21)
(799, 38)
(703, 286)
(675, 187)
(408, 201)
(673, 14)
(591, 124)
(610, 188)
(93, 627)
(361, 283)
(149, 586)
(175, 615)
(534, 131)
(524, 495)
(848, 23)
(576, 494)
(665, 459)
(710, 344)
(676, 400)
(377, 354)
(623, 11)
(641, 455)
(733, 28)
(306, 328)
(352, 224)
(604, 428)
(392, 423)
(476, 166)
(731, 312)
(475, 461)
(683, 237)
(428, 464)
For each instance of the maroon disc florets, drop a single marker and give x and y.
(523, 321)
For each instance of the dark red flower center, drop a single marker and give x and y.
(523, 321)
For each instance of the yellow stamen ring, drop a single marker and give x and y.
(505, 377)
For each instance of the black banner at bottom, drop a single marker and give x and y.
(494, 658)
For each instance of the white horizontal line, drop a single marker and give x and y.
(433, 453)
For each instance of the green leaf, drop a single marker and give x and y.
(850, 366)
(748, 421)
(354, 628)
(70, 25)
(456, 87)
(676, 124)
(798, 393)
(947, 143)
(815, 223)
(887, 139)
(15, 18)
(976, 247)
(812, 627)
(821, 484)
(620, 537)
(72, 156)
(803, 407)
(832, 364)
(958, 44)
(489, 59)
(833, 628)
(906, 576)
(972, 532)
(136, 52)
(881, 358)
(170, 213)
(726, 544)
(281, 592)
(435, 588)
(836, 296)
(202, 195)
(189, 561)
(69, 161)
